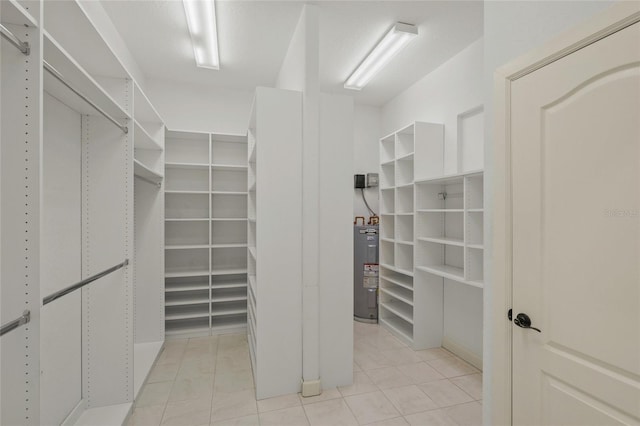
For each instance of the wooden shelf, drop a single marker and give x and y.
(173, 165)
(142, 139)
(186, 246)
(144, 111)
(229, 271)
(186, 274)
(399, 310)
(440, 210)
(228, 312)
(228, 299)
(229, 167)
(450, 179)
(188, 301)
(400, 283)
(445, 271)
(182, 219)
(400, 327)
(13, 13)
(405, 157)
(184, 288)
(404, 296)
(145, 172)
(398, 270)
(184, 316)
(173, 191)
(444, 240)
(81, 80)
(228, 192)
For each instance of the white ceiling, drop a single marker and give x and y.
(254, 37)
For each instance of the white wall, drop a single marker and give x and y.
(196, 108)
(439, 97)
(367, 129)
(453, 88)
(292, 71)
(511, 30)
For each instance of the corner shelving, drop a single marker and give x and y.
(205, 233)
(401, 153)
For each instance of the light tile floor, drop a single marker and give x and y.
(208, 381)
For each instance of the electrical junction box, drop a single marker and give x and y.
(372, 180)
(358, 181)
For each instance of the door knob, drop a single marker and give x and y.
(523, 321)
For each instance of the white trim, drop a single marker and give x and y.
(462, 352)
(617, 17)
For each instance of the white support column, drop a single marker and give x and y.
(310, 206)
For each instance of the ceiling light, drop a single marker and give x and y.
(394, 41)
(201, 18)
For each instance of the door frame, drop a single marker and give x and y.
(615, 18)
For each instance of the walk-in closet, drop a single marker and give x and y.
(220, 212)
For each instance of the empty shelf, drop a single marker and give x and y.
(399, 310)
(146, 173)
(400, 294)
(443, 240)
(400, 327)
(445, 271)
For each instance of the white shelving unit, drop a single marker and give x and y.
(274, 242)
(431, 233)
(449, 227)
(205, 234)
(402, 154)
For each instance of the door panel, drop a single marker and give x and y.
(576, 236)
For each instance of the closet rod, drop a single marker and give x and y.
(12, 325)
(60, 78)
(58, 294)
(23, 46)
(158, 184)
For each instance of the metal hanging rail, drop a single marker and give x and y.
(12, 325)
(58, 294)
(51, 70)
(23, 46)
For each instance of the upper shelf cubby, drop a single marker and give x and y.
(70, 70)
(148, 122)
(19, 12)
(84, 42)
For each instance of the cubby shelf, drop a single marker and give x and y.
(431, 231)
(170, 165)
(405, 296)
(145, 172)
(205, 234)
(399, 310)
(443, 240)
(142, 138)
(13, 13)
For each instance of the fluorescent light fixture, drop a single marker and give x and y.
(201, 18)
(394, 41)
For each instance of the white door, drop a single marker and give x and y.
(575, 134)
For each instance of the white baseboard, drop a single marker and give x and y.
(462, 352)
(311, 388)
